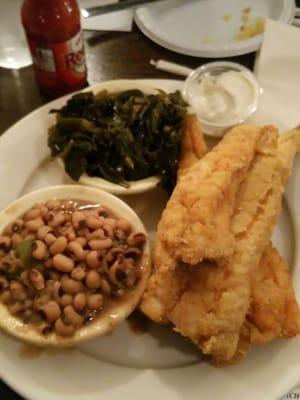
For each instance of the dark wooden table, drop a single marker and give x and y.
(109, 56)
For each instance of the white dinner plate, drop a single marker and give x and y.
(206, 28)
(155, 365)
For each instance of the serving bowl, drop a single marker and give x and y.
(130, 187)
(107, 320)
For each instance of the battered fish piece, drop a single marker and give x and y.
(196, 222)
(193, 146)
(213, 307)
(274, 312)
(169, 277)
(167, 281)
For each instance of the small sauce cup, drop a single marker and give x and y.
(214, 70)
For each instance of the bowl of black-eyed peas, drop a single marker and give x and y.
(74, 263)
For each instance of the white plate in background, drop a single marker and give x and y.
(197, 27)
(157, 365)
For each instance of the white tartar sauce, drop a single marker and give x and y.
(224, 97)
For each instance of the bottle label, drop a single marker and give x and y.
(63, 61)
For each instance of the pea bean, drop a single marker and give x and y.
(50, 239)
(111, 222)
(78, 220)
(81, 240)
(98, 234)
(36, 278)
(70, 286)
(63, 329)
(32, 214)
(76, 249)
(58, 246)
(93, 222)
(79, 272)
(51, 310)
(53, 204)
(123, 225)
(72, 316)
(17, 225)
(79, 301)
(63, 263)
(93, 280)
(66, 299)
(43, 231)
(108, 230)
(136, 239)
(100, 244)
(39, 250)
(5, 242)
(6, 297)
(95, 301)
(33, 225)
(93, 259)
(57, 220)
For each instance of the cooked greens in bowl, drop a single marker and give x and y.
(121, 137)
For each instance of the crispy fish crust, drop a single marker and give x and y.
(196, 222)
(226, 288)
(273, 312)
(225, 305)
(167, 281)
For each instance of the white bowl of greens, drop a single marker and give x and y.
(123, 137)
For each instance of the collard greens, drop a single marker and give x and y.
(120, 137)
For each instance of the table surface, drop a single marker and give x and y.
(109, 56)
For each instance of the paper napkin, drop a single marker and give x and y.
(116, 21)
(278, 71)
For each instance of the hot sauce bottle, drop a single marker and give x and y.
(56, 43)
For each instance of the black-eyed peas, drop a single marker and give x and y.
(49, 238)
(63, 263)
(36, 278)
(43, 231)
(71, 286)
(5, 242)
(33, 225)
(32, 214)
(63, 329)
(76, 249)
(66, 299)
(57, 220)
(39, 250)
(79, 255)
(79, 272)
(100, 244)
(93, 280)
(72, 317)
(79, 301)
(93, 259)
(95, 301)
(52, 311)
(59, 245)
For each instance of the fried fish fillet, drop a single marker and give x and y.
(169, 277)
(196, 222)
(213, 307)
(167, 281)
(273, 312)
